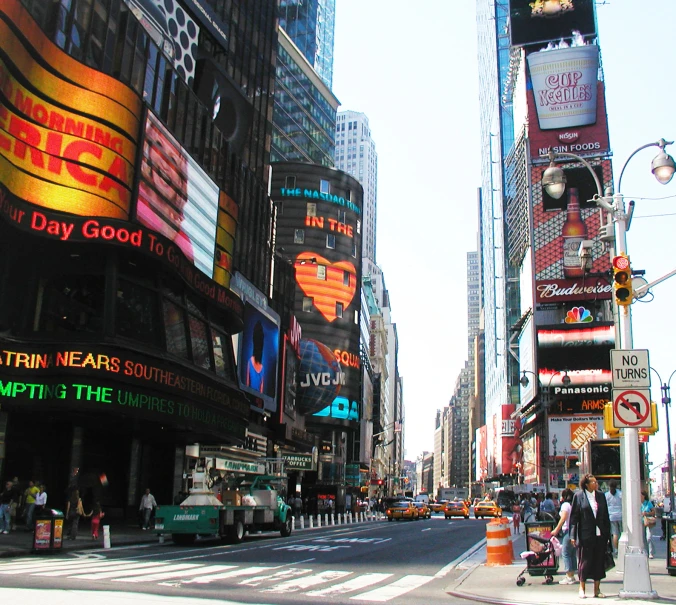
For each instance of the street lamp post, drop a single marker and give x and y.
(665, 387)
(636, 584)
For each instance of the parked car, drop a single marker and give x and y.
(404, 509)
(457, 508)
(424, 511)
(487, 508)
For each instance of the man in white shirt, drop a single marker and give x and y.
(148, 503)
(614, 499)
(666, 514)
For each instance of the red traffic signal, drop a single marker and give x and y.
(624, 294)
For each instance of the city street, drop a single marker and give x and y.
(398, 562)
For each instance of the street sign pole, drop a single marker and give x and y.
(637, 582)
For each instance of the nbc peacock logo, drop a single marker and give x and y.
(579, 315)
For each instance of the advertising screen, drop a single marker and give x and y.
(542, 21)
(559, 226)
(567, 434)
(578, 354)
(67, 141)
(320, 232)
(258, 344)
(512, 448)
(176, 197)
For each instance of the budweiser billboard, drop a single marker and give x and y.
(550, 291)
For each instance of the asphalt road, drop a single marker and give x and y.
(397, 562)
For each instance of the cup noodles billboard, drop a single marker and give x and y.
(68, 140)
(560, 225)
(541, 21)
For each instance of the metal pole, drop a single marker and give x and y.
(637, 583)
(666, 400)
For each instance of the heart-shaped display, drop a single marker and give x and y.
(327, 287)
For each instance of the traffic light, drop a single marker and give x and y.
(622, 280)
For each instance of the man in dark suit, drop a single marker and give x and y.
(590, 533)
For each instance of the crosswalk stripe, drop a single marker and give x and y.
(367, 579)
(395, 589)
(173, 574)
(9, 568)
(284, 573)
(89, 567)
(307, 581)
(122, 570)
(247, 571)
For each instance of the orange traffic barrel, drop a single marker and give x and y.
(499, 549)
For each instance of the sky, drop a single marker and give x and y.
(412, 69)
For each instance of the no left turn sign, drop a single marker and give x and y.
(631, 408)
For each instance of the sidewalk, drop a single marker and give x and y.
(498, 584)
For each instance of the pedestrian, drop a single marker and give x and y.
(29, 498)
(6, 498)
(97, 514)
(614, 499)
(649, 521)
(297, 507)
(516, 517)
(146, 507)
(590, 533)
(41, 499)
(562, 530)
(74, 511)
(15, 506)
(547, 508)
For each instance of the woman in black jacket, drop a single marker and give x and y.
(590, 533)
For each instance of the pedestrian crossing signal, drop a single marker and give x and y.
(624, 293)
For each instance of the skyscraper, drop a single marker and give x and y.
(356, 154)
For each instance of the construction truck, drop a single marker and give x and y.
(244, 508)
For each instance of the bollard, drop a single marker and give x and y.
(161, 538)
(319, 520)
(499, 549)
(311, 521)
(106, 536)
(302, 522)
(339, 518)
(326, 519)
(293, 523)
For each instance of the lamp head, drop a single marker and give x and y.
(565, 380)
(663, 167)
(524, 380)
(554, 181)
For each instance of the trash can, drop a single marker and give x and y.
(48, 534)
(671, 544)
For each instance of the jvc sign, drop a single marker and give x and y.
(631, 368)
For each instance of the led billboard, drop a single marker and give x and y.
(176, 198)
(319, 230)
(258, 350)
(567, 434)
(542, 21)
(67, 139)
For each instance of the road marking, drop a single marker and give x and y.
(367, 579)
(235, 573)
(172, 574)
(285, 573)
(123, 570)
(395, 589)
(88, 568)
(307, 581)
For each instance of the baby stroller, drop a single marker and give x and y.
(542, 563)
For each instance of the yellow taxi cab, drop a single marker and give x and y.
(424, 511)
(403, 509)
(457, 508)
(487, 508)
(438, 506)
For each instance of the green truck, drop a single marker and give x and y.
(259, 508)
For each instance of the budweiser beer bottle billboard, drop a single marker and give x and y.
(573, 232)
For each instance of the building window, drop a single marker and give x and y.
(290, 182)
(324, 186)
(356, 317)
(339, 309)
(354, 249)
(174, 329)
(308, 302)
(299, 236)
(346, 278)
(331, 241)
(342, 216)
(136, 312)
(358, 226)
(348, 195)
(311, 209)
(321, 272)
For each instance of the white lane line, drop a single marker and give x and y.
(123, 570)
(427, 529)
(197, 568)
(307, 582)
(396, 589)
(236, 573)
(285, 573)
(367, 579)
